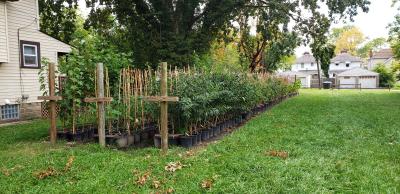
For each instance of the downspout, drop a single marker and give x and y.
(7, 44)
(20, 56)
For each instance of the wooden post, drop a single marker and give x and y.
(100, 100)
(52, 98)
(53, 113)
(164, 109)
(102, 113)
(163, 99)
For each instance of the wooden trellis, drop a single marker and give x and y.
(163, 99)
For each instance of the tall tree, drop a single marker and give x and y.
(372, 45)
(323, 51)
(348, 38)
(394, 36)
(58, 18)
(176, 30)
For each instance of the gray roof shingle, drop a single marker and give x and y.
(306, 58)
(358, 72)
(345, 57)
(383, 54)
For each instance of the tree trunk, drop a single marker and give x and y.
(319, 75)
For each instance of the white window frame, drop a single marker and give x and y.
(36, 46)
(30, 55)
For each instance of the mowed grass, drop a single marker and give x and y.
(338, 141)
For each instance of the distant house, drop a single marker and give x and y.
(357, 78)
(305, 79)
(383, 56)
(22, 46)
(343, 62)
(306, 64)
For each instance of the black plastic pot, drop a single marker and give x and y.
(136, 137)
(204, 135)
(216, 131)
(198, 135)
(61, 135)
(144, 136)
(186, 141)
(211, 132)
(173, 139)
(194, 139)
(110, 139)
(157, 141)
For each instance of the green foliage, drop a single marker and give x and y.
(394, 37)
(58, 18)
(386, 77)
(207, 97)
(222, 57)
(177, 30)
(372, 45)
(80, 65)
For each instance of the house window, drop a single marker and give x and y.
(337, 64)
(347, 64)
(346, 77)
(302, 65)
(30, 54)
(9, 112)
(312, 64)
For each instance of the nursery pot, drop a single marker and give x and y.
(185, 141)
(194, 139)
(204, 135)
(61, 134)
(136, 137)
(216, 131)
(198, 135)
(210, 132)
(173, 139)
(122, 141)
(157, 140)
(144, 136)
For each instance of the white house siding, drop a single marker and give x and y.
(305, 67)
(347, 82)
(368, 81)
(337, 67)
(3, 33)
(15, 81)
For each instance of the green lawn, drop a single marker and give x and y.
(338, 141)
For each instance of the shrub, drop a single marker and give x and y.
(386, 77)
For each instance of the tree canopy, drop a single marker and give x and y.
(58, 18)
(177, 30)
(347, 38)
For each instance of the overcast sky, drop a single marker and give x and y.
(373, 24)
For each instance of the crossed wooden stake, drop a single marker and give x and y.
(52, 98)
(100, 100)
(163, 99)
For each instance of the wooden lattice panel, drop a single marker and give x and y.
(45, 110)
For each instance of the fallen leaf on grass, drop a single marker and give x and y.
(173, 166)
(50, 171)
(156, 184)
(280, 154)
(8, 172)
(142, 179)
(5, 172)
(68, 165)
(170, 190)
(189, 153)
(206, 184)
